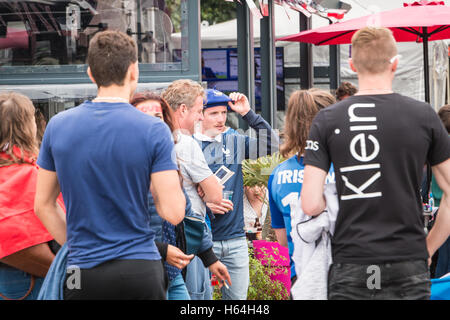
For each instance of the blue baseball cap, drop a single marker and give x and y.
(215, 98)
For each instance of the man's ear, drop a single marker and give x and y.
(394, 65)
(352, 66)
(89, 72)
(134, 71)
(183, 109)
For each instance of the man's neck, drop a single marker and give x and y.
(176, 122)
(114, 91)
(374, 84)
(212, 133)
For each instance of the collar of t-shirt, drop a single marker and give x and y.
(180, 135)
(299, 159)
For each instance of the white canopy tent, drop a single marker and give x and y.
(409, 77)
(223, 35)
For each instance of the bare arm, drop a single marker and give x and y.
(212, 189)
(312, 198)
(281, 237)
(35, 260)
(441, 228)
(177, 258)
(169, 198)
(46, 207)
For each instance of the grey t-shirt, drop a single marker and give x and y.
(194, 169)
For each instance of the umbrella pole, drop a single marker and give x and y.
(426, 69)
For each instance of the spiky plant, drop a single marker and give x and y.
(257, 173)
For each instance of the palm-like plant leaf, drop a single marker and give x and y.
(257, 172)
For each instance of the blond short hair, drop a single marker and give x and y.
(372, 49)
(183, 91)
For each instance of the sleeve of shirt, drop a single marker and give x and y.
(193, 162)
(440, 144)
(266, 141)
(275, 214)
(206, 254)
(45, 159)
(316, 152)
(161, 146)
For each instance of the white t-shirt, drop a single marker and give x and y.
(194, 169)
(250, 213)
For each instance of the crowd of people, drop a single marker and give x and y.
(140, 195)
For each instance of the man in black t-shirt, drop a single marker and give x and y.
(378, 142)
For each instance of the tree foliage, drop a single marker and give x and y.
(216, 11)
(173, 8)
(213, 11)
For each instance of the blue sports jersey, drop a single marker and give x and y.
(285, 185)
(103, 155)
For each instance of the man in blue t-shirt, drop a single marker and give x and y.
(102, 155)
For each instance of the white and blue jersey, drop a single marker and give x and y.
(285, 185)
(229, 149)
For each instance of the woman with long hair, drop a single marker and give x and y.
(153, 104)
(25, 254)
(172, 242)
(286, 180)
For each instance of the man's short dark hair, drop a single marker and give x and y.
(110, 55)
(444, 114)
(345, 89)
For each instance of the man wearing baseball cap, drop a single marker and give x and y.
(223, 146)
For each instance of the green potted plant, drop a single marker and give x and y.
(257, 173)
(261, 287)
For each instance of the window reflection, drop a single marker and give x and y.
(46, 32)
